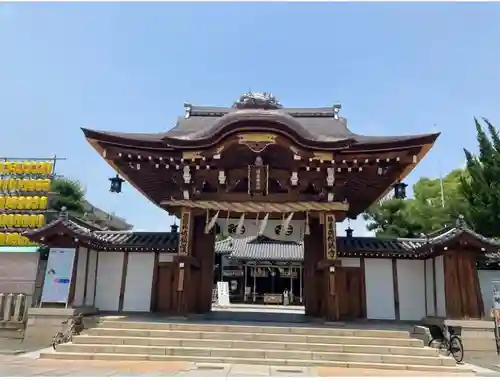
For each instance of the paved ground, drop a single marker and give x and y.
(27, 367)
(486, 360)
(14, 361)
(20, 359)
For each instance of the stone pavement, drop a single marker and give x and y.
(14, 346)
(483, 359)
(23, 366)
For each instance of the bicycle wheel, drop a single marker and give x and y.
(57, 339)
(457, 348)
(441, 345)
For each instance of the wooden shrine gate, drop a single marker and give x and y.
(184, 286)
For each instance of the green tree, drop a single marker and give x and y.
(392, 218)
(481, 186)
(69, 194)
(434, 205)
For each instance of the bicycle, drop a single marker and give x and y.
(73, 324)
(449, 343)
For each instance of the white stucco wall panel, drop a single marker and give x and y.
(351, 262)
(109, 278)
(429, 281)
(166, 257)
(379, 289)
(411, 289)
(140, 270)
(91, 278)
(81, 266)
(486, 278)
(440, 293)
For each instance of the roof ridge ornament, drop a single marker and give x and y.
(336, 110)
(257, 100)
(63, 213)
(187, 110)
(460, 223)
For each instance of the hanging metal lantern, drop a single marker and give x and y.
(348, 232)
(400, 190)
(116, 184)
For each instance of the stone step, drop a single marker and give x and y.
(252, 361)
(256, 353)
(245, 344)
(244, 336)
(237, 328)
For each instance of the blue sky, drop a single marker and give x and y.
(396, 69)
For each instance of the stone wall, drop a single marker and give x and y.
(477, 335)
(13, 308)
(44, 323)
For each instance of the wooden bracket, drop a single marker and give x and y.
(327, 263)
(188, 261)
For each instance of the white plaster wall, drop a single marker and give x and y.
(411, 289)
(89, 298)
(109, 278)
(429, 281)
(351, 262)
(379, 289)
(440, 294)
(139, 281)
(486, 277)
(166, 257)
(81, 266)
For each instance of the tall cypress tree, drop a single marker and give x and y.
(481, 185)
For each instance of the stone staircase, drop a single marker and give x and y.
(124, 340)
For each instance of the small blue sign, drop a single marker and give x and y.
(61, 280)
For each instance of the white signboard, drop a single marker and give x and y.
(223, 294)
(58, 275)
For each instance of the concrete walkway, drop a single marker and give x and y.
(24, 366)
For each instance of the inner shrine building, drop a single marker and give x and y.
(264, 174)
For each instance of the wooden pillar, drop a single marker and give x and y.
(363, 287)
(72, 287)
(203, 250)
(395, 288)
(124, 280)
(85, 283)
(154, 282)
(182, 277)
(313, 243)
(330, 268)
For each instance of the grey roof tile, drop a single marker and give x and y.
(264, 248)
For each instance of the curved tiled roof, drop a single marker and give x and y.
(264, 248)
(261, 248)
(108, 240)
(317, 125)
(314, 124)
